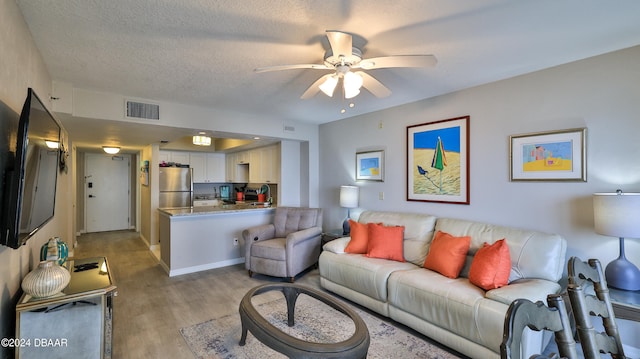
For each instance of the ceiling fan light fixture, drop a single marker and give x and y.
(329, 85)
(352, 84)
(202, 140)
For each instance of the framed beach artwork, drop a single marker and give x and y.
(438, 161)
(549, 156)
(370, 166)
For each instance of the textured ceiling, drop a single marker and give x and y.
(203, 52)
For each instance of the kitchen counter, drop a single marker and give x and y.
(203, 238)
(225, 208)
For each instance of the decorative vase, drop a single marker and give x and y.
(55, 249)
(46, 280)
(262, 197)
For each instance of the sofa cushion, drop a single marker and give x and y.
(359, 238)
(533, 254)
(385, 242)
(447, 254)
(270, 249)
(418, 231)
(491, 266)
(364, 275)
(449, 303)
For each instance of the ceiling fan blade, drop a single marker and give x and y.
(341, 43)
(397, 61)
(314, 88)
(374, 86)
(292, 67)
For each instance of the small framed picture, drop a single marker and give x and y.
(549, 156)
(370, 166)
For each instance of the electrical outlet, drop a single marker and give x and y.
(381, 196)
(380, 125)
(235, 241)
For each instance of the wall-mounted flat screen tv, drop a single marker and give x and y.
(30, 177)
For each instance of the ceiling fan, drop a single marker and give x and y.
(342, 58)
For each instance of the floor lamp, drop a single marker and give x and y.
(348, 200)
(618, 215)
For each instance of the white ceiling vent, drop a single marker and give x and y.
(137, 110)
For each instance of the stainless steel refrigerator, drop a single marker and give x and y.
(176, 187)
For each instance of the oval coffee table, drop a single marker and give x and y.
(356, 346)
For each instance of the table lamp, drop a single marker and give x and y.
(618, 215)
(348, 200)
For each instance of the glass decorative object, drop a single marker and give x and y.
(55, 249)
(46, 280)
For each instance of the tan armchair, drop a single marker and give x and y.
(288, 246)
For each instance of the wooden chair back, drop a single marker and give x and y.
(523, 313)
(589, 296)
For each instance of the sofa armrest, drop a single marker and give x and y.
(532, 289)
(259, 233)
(256, 234)
(337, 245)
(298, 237)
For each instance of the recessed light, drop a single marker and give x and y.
(256, 138)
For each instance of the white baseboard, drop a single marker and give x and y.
(202, 267)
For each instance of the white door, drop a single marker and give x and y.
(107, 192)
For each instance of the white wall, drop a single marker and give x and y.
(21, 67)
(601, 93)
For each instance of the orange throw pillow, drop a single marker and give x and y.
(386, 242)
(447, 254)
(359, 238)
(491, 266)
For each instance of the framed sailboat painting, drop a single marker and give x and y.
(438, 161)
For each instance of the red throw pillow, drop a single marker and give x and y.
(386, 242)
(447, 254)
(491, 266)
(359, 238)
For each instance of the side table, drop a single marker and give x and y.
(331, 235)
(626, 304)
(76, 323)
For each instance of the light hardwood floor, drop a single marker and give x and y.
(151, 308)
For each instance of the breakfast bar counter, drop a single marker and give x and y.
(202, 238)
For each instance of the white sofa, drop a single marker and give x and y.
(453, 312)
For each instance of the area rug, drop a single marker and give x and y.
(314, 321)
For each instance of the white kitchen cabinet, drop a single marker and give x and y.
(230, 162)
(237, 167)
(178, 157)
(198, 163)
(243, 157)
(216, 169)
(208, 167)
(264, 164)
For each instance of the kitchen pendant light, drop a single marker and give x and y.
(202, 140)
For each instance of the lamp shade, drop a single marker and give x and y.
(617, 214)
(349, 196)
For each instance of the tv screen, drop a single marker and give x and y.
(30, 184)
